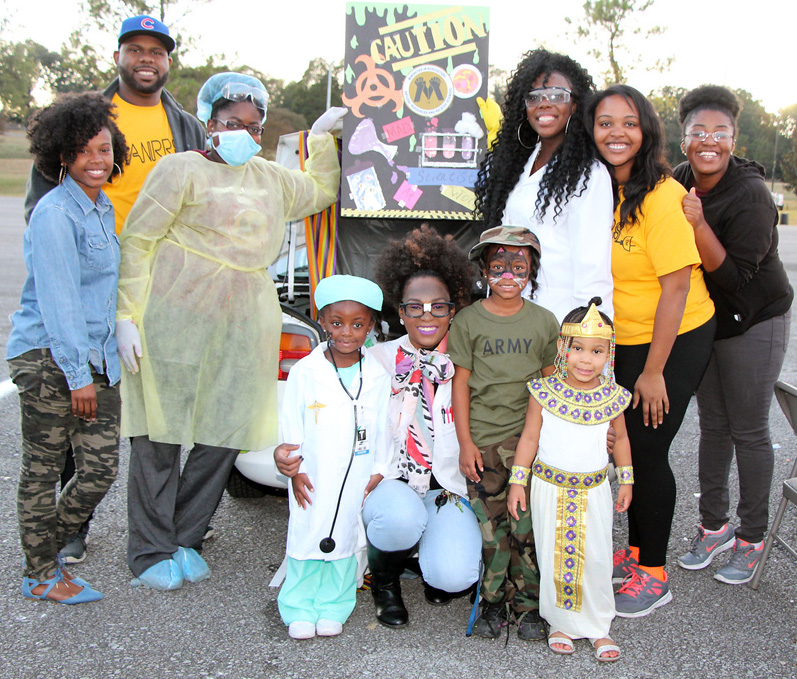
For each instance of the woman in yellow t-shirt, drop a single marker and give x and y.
(664, 324)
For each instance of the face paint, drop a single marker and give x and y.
(505, 264)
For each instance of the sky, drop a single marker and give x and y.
(737, 43)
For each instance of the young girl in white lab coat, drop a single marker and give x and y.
(334, 419)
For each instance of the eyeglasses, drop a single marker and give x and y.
(235, 91)
(553, 95)
(437, 309)
(232, 125)
(702, 135)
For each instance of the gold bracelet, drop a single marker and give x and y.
(519, 475)
(625, 475)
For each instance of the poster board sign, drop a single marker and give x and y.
(413, 139)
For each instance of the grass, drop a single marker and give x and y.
(13, 144)
(15, 163)
(13, 176)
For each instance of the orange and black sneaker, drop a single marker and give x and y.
(641, 594)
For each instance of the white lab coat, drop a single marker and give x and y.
(576, 259)
(445, 457)
(317, 414)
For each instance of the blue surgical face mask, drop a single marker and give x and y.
(235, 147)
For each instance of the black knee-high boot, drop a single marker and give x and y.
(386, 569)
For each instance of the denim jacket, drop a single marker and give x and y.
(69, 297)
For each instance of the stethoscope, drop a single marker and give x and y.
(328, 544)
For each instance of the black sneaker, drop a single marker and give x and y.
(491, 620)
(531, 627)
(74, 551)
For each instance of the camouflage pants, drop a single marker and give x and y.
(48, 431)
(510, 562)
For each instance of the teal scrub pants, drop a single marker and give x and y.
(318, 590)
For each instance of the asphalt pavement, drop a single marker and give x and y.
(228, 626)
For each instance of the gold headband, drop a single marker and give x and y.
(592, 325)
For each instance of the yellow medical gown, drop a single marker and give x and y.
(193, 279)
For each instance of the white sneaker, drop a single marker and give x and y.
(328, 628)
(301, 629)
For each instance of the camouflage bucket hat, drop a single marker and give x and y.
(519, 236)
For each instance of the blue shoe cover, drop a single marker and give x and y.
(165, 575)
(195, 569)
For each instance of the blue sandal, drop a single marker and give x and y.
(86, 595)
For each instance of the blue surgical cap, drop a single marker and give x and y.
(232, 86)
(342, 288)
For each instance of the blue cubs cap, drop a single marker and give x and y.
(146, 25)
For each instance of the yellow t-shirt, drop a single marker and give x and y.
(662, 242)
(149, 138)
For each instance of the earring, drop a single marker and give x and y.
(62, 174)
(450, 321)
(401, 320)
(567, 125)
(683, 147)
(520, 124)
(118, 175)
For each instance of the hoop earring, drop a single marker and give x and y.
(118, 175)
(520, 141)
(62, 174)
(567, 125)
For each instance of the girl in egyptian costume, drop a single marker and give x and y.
(563, 450)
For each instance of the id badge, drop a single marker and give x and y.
(361, 444)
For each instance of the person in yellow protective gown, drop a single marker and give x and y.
(199, 319)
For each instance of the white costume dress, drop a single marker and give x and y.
(575, 264)
(571, 506)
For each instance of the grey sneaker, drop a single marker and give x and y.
(623, 565)
(742, 564)
(705, 546)
(74, 551)
(641, 594)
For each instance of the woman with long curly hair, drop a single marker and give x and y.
(62, 352)
(542, 174)
(664, 326)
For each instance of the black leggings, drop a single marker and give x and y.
(653, 506)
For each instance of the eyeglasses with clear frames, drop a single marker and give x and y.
(701, 135)
(553, 95)
(437, 309)
(233, 125)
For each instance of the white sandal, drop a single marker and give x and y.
(604, 648)
(564, 640)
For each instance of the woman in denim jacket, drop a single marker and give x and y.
(62, 352)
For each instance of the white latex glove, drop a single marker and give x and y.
(129, 344)
(330, 120)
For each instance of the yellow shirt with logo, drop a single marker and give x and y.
(660, 243)
(149, 138)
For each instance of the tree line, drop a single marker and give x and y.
(27, 66)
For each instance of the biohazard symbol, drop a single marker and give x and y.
(375, 87)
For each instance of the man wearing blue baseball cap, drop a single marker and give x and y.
(154, 125)
(152, 121)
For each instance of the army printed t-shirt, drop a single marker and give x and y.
(149, 138)
(502, 353)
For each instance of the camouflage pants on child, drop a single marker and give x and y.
(510, 562)
(48, 430)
